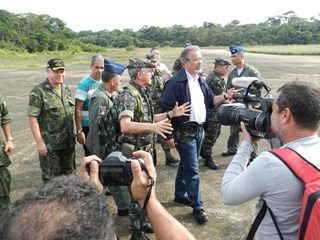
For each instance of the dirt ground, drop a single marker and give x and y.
(226, 222)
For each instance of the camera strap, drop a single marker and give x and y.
(144, 168)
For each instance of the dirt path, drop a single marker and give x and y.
(225, 222)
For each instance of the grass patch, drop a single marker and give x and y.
(285, 49)
(11, 59)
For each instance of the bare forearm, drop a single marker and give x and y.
(35, 129)
(78, 114)
(165, 226)
(135, 127)
(161, 116)
(7, 130)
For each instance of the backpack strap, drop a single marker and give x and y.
(257, 221)
(304, 170)
(135, 92)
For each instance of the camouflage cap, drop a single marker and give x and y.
(187, 131)
(221, 61)
(140, 63)
(152, 57)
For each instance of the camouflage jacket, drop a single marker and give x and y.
(4, 118)
(100, 101)
(127, 106)
(158, 81)
(217, 85)
(55, 115)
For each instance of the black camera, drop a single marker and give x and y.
(115, 170)
(257, 121)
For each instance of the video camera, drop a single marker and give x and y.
(257, 121)
(115, 170)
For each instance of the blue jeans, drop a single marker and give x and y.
(187, 180)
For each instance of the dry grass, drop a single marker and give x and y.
(22, 60)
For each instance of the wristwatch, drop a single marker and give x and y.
(10, 139)
(225, 96)
(79, 131)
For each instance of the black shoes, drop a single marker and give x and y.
(171, 160)
(227, 153)
(185, 201)
(124, 212)
(211, 165)
(200, 216)
(147, 228)
(208, 162)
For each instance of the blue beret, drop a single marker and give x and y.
(236, 48)
(113, 67)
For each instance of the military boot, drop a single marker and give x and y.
(208, 162)
(170, 159)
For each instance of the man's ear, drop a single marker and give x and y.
(286, 115)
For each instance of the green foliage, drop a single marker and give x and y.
(28, 32)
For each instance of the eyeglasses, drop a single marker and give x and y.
(149, 71)
(196, 60)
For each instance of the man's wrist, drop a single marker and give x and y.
(168, 116)
(79, 131)
(9, 139)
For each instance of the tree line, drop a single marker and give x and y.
(38, 33)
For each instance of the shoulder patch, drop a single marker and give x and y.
(102, 110)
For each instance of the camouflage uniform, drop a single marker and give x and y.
(127, 105)
(5, 175)
(234, 140)
(100, 101)
(218, 86)
(55, 116)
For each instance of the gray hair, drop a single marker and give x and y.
(67, 207)
(133, 72)
(185, 52)
(97, 58)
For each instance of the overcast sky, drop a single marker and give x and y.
(98, 15)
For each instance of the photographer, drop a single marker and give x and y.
(83, 211)
(295, 122)
(165, 226)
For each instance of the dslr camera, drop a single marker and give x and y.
(257, 121)
(115, 170)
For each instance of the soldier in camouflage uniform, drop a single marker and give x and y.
(7, 149)
(158, 81)
(139, 126)
(242, 70)
(217, 85)
(101, 100)
(51, 119)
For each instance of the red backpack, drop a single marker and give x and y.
(309, 174)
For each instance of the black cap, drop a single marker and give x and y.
(55, 64)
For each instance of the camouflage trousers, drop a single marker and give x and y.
(211, 135)
(234, 142)
(164, 147)
(5, 181)
(137, 220)
(57, 162)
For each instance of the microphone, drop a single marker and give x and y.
(244, 82)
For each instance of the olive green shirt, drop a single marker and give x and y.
(100, 101)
